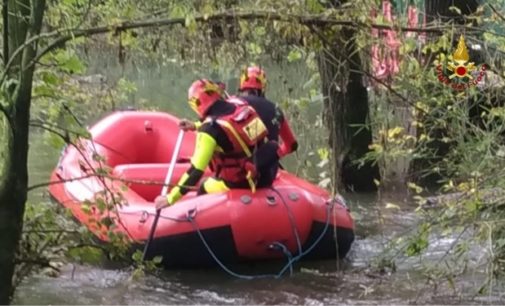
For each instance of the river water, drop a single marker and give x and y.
(350, 281)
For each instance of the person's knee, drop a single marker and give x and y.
(267, 176)
(212, 185)
(266, 155)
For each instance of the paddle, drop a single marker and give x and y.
(170, 172)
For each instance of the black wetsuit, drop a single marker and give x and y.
(269, 113)
(267, 161)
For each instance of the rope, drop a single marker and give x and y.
(275, 245)
(291, 220)
(246, 276)
(291, 259)
(145, 213)
(286, 252)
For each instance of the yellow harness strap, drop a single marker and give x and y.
(235, 134)
(244, 147)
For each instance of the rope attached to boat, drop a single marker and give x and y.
(291, 260)
(291, 220)
(276, 245)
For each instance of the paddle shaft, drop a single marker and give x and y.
(170, 172)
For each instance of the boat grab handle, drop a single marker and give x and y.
(144, 216)
(148, 126)
(271, 200)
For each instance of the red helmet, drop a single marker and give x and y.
(202, 94)
(253, 78)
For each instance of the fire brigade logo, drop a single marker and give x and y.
(462, 73)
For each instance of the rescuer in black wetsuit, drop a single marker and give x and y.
(252, 90)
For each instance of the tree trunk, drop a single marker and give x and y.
(25, 21)
(12, 204)
(345, 114)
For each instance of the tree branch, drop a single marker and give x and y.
(36, 23)
(5, 32)
(4, 110)
(85, 15)
(65, 137)
(45, 184)
(267, 15)
(21, 48)
(50, 231)
(319, 20)
(496, 12)
(112, 178)
(368, 74)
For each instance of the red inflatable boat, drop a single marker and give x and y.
(125, 163)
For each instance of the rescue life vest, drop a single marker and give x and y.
(245, 131)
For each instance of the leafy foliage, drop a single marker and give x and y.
(453, 142)
(461, 152)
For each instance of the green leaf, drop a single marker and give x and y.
(294, 55)
(315, 6)
(87, 254)
(392, 206)
(254, 48)
(455, 9)
(74, 65)
(323, 153)
(260, 31)
(138, 274)
(414, 187)
(179, 11)
(126, 86)
(86, 209)
(416, 247)
(100, 204)
(190, 23)
(207, 10)
(102, 171)
(69, 62)
(55, 141)
(49, 77)
(158, 259)
(137, 256)
(325, 182)
(107, 222)
(43, 90)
